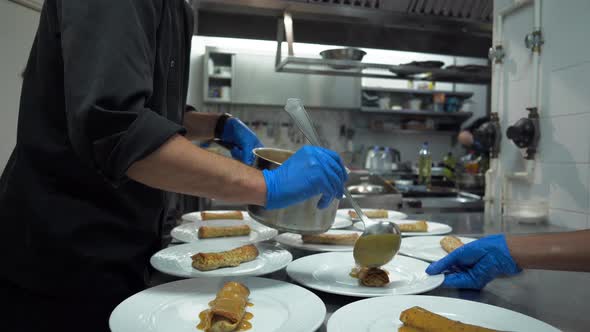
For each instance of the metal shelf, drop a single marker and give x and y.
(219, 77)
(304, 65)
(293, 64)
(414, 131)
(409, 112)
(459, 94)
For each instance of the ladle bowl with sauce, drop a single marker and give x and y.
(378, 244)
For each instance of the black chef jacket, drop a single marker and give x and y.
(105, 85)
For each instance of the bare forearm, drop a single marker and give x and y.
(200, 126)
(569, 251)
(179, 166)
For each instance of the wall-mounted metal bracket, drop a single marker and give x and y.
(496, 54)
(534, 41)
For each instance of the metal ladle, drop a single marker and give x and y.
(372, 227)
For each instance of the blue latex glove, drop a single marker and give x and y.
(244, 140)
(475, 264)
(311, 171)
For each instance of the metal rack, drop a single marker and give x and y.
(303, 65)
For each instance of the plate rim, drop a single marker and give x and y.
(316, 250)
(168, 286)
(439, 282)
(348, 223)
(282, 266)
(404, 299)
(403, 216)
(244, 213)
(271, 232)
(401, 250)
(412, 234)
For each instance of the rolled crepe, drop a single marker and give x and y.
(206, 232)
(373, 277)
(405, 328)
(226, 310)
(418, 226)
(341, 239)
(370, 213)
(425, 320)
(450, 243)
(370, 277)
(222, 215)
(215, 260)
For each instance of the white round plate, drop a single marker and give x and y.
(294, 241)
(175, 306)
(189, 232)
(391, 215)
(196, 216)
(341, 222)
(329, 272)
(426, 247)
(434, 228)
(382, 314)
(176, 261)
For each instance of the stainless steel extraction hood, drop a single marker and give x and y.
(453, 27)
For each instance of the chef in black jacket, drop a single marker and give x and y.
(102, 136)
(466, 136)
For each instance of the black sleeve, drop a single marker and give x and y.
(477, 123)
(108, 49)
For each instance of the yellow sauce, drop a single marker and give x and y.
(244, 326)
(376, 250)
(204, 316)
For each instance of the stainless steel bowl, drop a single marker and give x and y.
(302, 218)
(347, 53)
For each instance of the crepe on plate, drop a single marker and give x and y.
(370, 213)
(207, 232)
(418, 226)
(222, 215)
(338, 239)
(214, 260)
(227, 312)
(420, 319)
(370, 277)
(450, 243)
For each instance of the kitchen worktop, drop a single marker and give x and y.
(558, 298)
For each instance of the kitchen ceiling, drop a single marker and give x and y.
(453, 27)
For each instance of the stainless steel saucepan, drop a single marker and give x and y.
(302, 218)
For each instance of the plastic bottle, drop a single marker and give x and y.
(424, 165)
(386, 163)
(449, 163)
(379, 168)
(372, 158)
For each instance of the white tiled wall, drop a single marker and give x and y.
(562, 170)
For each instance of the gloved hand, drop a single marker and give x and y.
(475, 264)
(309, 172)
(243, 139)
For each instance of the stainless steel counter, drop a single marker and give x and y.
(558, 298)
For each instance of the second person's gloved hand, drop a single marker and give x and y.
(475, 264)
(311, 171)
(243, 139)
